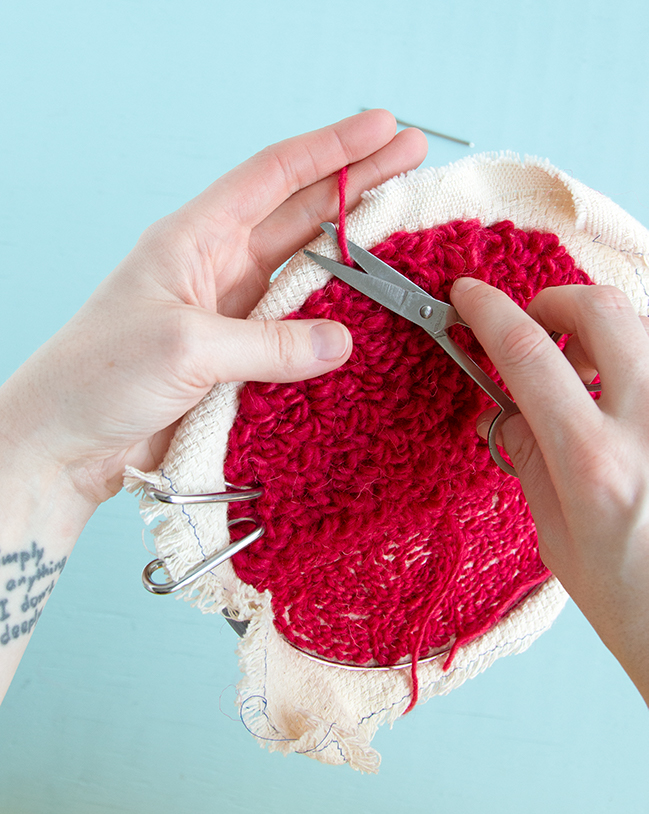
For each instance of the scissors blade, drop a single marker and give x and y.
(385, 293)
(371, 264)
(444, 314)
(417, 306)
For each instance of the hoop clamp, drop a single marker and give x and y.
(233, 494)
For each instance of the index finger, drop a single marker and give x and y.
(545, 386)
(250, 192)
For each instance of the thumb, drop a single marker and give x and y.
(271, 351)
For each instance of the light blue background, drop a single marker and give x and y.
(114, 113)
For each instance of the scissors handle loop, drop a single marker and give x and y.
(494, 449)
(509, 410)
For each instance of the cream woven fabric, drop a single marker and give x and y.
(287, 700)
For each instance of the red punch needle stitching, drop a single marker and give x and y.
(391, 534)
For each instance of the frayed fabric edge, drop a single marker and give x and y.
(331, 742)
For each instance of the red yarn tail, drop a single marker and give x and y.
(447, 577)
(514, 598)
(342, 239)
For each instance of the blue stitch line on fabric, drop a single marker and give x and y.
(616, 248)
(316, 748)
(326, 746)
(262, 712)
(642, 285)
(362, 720)
(185, 512)
(263, 697)
(264, 701)
(319, 747)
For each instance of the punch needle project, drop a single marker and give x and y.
(374, 552)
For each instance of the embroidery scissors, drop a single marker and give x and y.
(385, 285)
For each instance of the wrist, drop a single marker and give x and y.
(42, 514)
(40, 486)
(627, 637)
(618, 610)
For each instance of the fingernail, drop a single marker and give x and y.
(465, 283)
(482, 428)
(329, 341)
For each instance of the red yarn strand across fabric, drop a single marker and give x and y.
(391, 534)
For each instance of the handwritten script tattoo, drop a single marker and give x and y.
(26, 580)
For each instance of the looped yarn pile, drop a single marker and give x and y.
(391, 534)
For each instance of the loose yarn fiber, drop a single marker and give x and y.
(390, 535)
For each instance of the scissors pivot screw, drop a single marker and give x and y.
(425, 311)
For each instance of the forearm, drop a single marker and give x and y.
(41, 517)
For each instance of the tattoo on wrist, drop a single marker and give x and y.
(27, 578)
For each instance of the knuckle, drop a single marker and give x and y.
(292, 163)
(274, 160)
(165, 244)
(181, 345)
(607, 298)
(601, 468)
(159, 230)
(523, 345)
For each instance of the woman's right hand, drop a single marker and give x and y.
(583, 463)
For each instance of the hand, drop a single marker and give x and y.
(583, 464)
(168, 323)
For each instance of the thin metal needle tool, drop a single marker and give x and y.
(431, 132)
(435, 133)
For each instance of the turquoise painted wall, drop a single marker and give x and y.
(114, 113)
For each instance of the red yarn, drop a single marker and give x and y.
(342, 239)
(390, 531)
